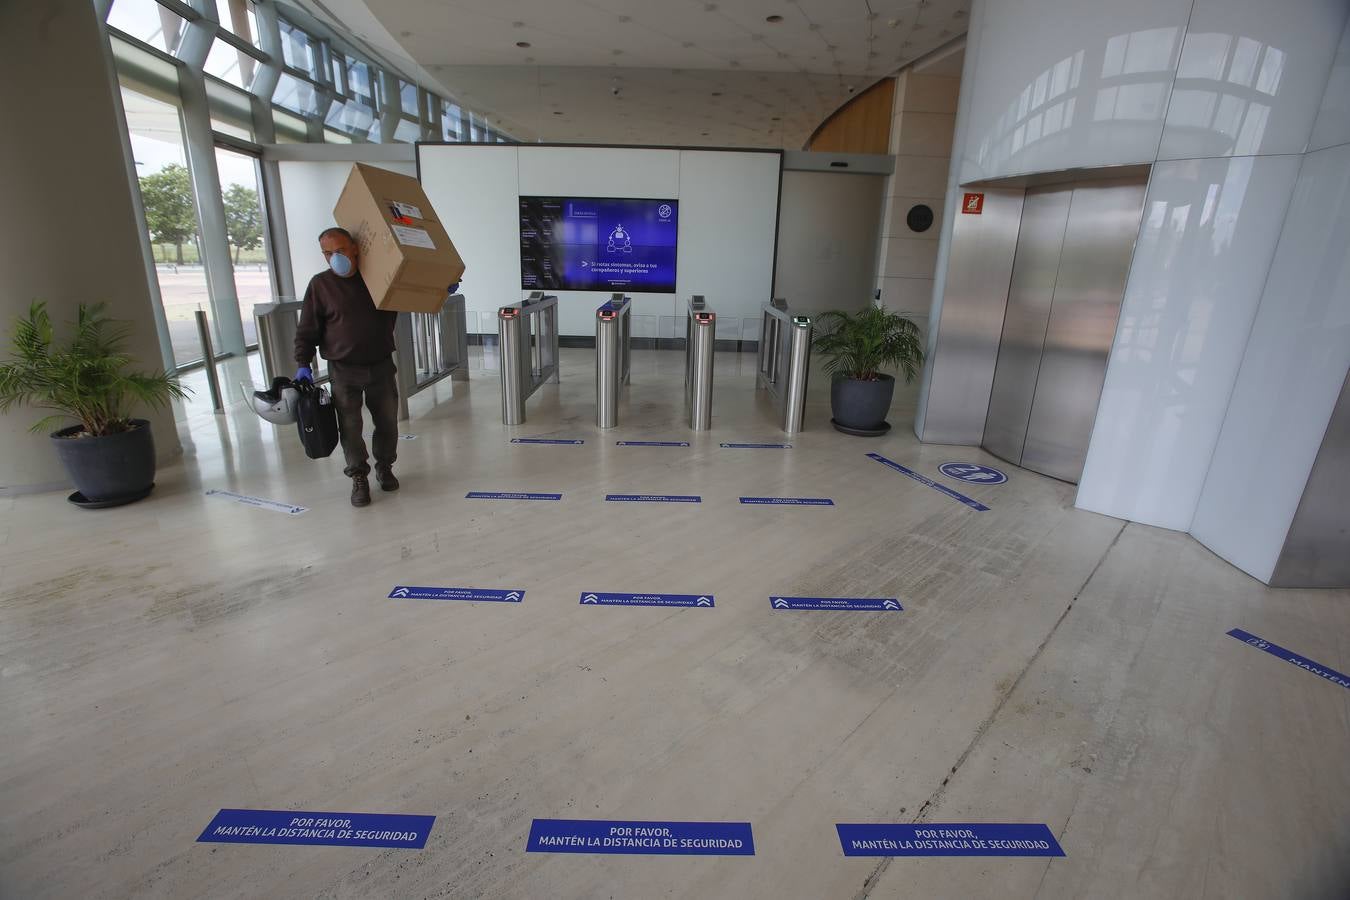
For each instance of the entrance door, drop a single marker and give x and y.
(1073, 256)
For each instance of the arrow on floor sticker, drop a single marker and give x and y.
(590, 598)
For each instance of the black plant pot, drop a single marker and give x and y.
(109, 470)
(860, 407)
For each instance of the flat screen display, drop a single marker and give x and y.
(598, 244)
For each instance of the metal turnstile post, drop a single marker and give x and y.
(209, 361)
(703, 331)
(608, 366)
(510, 332)
(799, 362)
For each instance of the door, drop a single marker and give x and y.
(1073, 256)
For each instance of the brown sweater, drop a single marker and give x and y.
(341, 319)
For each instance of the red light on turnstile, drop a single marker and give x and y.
(705, 317)
(508, 312)
(606, 313)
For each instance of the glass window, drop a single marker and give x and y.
(339, 72)
(297, 49)
(449, 121)
(359, 81)
(289, 129)
(407, 131)
(296, 94)
(407, 98)
(241, 194)
(156, 134)
(333, 137)
(238, 18)
(147, 21)
(228, 63)
(351, 117)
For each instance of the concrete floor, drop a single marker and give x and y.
(162, 661)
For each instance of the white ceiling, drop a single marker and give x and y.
(667, 59)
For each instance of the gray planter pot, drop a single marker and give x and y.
(109, 470)
(861, 405)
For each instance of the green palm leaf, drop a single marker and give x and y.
(862, 344)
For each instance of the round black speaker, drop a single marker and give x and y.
(920, 218)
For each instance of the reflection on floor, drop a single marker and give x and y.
(186, 654)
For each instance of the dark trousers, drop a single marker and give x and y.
(378, 387)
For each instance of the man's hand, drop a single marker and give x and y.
(304, 374)
(454, 288)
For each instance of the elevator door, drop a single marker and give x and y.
(1073, 255)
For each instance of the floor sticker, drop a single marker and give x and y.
(272, 826)
(657, 838)
(599, 598)
(734, 446)
(491, 595)
(543, 441)
(260, 502)
(965, 839)
(973, 504)
(651, 443)
(884, 604)
(508, 495)
(1291, 657)
(788, 501)
(653, 498)
(973, 472)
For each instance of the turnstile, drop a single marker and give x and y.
(528, 331)
(613, 356)
(785, 360)
(700, 332)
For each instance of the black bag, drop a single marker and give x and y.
(316, 418)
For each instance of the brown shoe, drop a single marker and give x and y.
(386, 479)
(360, 490)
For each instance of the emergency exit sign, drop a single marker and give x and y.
(972, 204)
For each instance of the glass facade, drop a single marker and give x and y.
(270, 74)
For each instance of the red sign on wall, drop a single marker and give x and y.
(973, 204)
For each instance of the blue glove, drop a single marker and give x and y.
(304, 374)
(454, 288)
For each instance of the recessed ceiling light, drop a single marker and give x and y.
(557, 112)
(717, 93)
(775, 19)
(775, 118)
(522, 44)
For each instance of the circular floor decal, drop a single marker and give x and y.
(972, 472)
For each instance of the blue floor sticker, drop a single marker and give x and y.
(885, 604)
(973, 504)
(734, 446)
(661, 838)
(1289, 656)
(965, 839)
(973, 472)
(543, 441)
(408, 592)
(272, 826)
(508, 495)
(653, 498)
(599, 598)
(788, 501)
(651, 443)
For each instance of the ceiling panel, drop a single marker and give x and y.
(645, 71)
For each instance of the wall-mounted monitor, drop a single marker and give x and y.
(598, 244)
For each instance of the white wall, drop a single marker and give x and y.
(1292, 372)
(728, 211)
(310, 190)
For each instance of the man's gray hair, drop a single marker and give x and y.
(336, 232)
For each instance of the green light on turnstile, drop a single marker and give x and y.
(801, 320)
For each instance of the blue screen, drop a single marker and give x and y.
(598, 244)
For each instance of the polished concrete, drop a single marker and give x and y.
(165, 660)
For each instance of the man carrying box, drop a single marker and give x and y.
(357, 340)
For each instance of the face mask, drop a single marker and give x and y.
(341, 265)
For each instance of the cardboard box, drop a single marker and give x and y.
(407, 259)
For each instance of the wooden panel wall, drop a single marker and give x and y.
(862, 125)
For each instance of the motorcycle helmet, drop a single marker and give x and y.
(277, 403)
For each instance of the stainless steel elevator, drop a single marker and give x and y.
(1068, 278)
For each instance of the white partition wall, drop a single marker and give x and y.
(728, 218)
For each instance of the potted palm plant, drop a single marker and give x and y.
(857, 347)
(109, 455)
